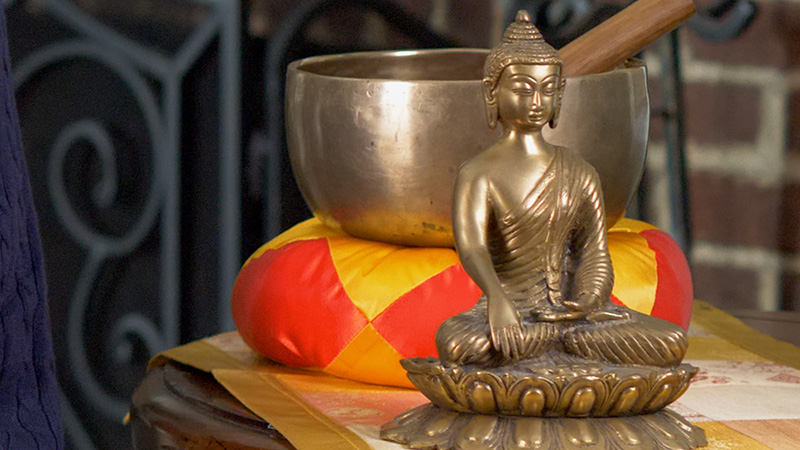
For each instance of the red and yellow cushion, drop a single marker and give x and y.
(315, 297)
(651, 274)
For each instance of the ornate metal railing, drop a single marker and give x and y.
(105, 130)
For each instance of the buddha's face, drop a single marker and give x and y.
(527, 95)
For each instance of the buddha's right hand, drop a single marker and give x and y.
(506, 328)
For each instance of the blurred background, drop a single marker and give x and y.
(154, 136)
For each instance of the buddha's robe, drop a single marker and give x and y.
(550, 248)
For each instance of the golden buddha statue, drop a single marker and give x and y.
(544, 346)
(530, 230)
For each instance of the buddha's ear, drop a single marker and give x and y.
(560, 95)
(491, 103)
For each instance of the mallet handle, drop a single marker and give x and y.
(624, 35)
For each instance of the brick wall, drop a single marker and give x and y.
(742, 116)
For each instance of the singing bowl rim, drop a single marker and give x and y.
(304, 64)
(328, 206)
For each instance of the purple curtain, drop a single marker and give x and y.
(29, 417)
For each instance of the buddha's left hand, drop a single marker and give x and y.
(586, 306)
(585, 303)
(592, 308)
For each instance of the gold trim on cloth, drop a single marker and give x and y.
(258, 388)
(722, 325)
(285, 397)
(301, 423)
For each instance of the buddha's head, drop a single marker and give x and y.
(522, 83)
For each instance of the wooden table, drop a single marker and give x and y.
(177, 406)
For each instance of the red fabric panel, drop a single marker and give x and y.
(423, 309)
(290, 306)
(674, 294)
(616, 301)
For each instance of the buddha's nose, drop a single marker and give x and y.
(536, 102)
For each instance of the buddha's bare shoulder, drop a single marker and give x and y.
(492, 162)
(479, 168)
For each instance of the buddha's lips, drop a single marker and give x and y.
(535, 116)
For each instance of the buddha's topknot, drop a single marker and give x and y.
(522, 44)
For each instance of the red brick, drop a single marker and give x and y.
(789, 236)
(770, 40)
(731, 210)
(726, 287)
(721, 113)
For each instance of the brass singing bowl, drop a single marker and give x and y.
(376, 138)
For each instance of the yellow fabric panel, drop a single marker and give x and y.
(718, 323)
(631, 255)
(199, 354)
(371, 271)
(718, 349)
(302, 424)
(308, 382)
(369, 357)
(303, 231)
(722, 437)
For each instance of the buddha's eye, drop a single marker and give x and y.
(522, 89)
(549, 88)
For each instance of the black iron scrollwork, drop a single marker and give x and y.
(562, 21)
(724, 20)
(102, 120)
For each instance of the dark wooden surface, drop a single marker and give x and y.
(178, 407)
